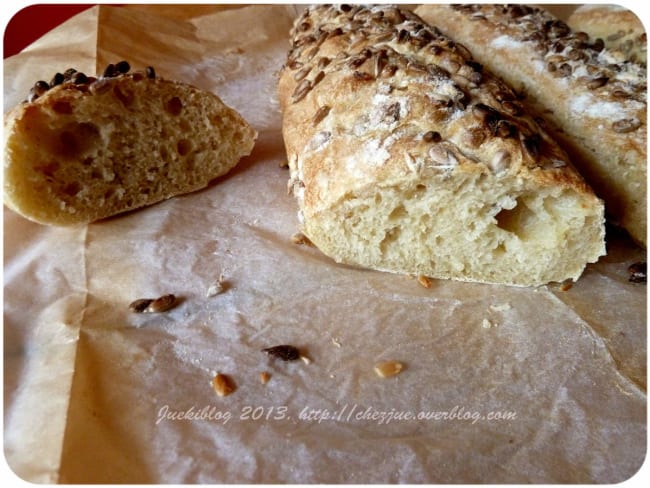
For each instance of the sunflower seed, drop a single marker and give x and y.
(301, 90)
(626, 125)
(424, 281)
(385, 369)
(321, 113)
(300, 74)
(161, 304)
(284, 352)
(140, 305)
(222, 385)
(380, 62)
(432, 136)
(264, 377)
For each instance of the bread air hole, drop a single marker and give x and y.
(62, 107)
(174, 106)
(514, 219)
(532, 218)
(76, 140)
(183, 147)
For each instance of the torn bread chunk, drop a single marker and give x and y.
(82, 148)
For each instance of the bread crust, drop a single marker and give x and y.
(374, 98)
(594, 101)
(83, 151)
(618, 27)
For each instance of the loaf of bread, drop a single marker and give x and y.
(595, 101)
(618, 27)
(407, 156)
(81, 148)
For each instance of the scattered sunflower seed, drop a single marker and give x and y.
(222, 385)
(140, 305)
(300, 239)
(264, 377)
(424, 281)
(153, 305)
(385, 369)
(284, 352)
(161, 304)
(305, 359)
(216, 288)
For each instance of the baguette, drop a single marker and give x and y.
(406, 156)
(594, 100)
(81, 149)
(618, 27)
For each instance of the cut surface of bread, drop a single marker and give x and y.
(594, 100)
(406, 156)
(87, 148)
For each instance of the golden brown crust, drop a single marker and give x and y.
(436, 84)
(597, 100)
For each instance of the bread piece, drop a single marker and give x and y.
(406, 156)
(82, 149)
(597, 101)
(617, 26)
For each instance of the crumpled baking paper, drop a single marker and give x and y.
(501, 384)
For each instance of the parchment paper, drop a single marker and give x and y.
(511, 385)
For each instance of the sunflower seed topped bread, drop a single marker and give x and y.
(407, 156)
(596, 98)
(618, 27)
(81, 148)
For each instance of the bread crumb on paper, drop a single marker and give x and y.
(487, 324)
(500, 307)
(265, 377)
(217, 287)
(424, 281)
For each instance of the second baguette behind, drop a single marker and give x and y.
(595, 101)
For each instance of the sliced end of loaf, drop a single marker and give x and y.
(81, 153)
(477, 228)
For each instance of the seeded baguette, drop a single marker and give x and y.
(618, 27)
(406, 156)
(596, 103)
(81, 149)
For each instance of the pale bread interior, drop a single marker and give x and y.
(474, 228)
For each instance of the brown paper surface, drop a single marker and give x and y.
(510, 384)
